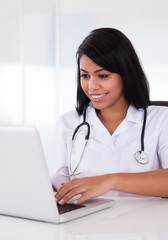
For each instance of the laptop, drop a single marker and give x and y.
(25, 187)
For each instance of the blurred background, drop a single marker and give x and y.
(38, 43)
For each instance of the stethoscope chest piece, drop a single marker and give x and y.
(141, 157)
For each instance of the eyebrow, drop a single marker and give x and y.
(99, 70)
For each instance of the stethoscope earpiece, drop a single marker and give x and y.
(69, 175)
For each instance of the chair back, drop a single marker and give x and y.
(159, 103)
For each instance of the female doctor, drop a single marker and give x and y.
(114, 142)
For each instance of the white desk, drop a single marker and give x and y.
(130, 218)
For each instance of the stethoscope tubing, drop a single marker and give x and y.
(140, 156)
(143, 129)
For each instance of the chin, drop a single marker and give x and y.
(98, 106)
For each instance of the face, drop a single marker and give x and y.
(103, 88)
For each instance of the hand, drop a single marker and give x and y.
(88, 187)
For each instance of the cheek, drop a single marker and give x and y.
(116, 87)
(83, 85)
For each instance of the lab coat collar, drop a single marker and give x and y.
(133, 115)
(99, 132)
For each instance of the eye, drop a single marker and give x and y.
(103, 75)
(85, 76)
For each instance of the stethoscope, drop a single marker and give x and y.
(140, 156)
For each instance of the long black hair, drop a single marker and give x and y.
(112, 50)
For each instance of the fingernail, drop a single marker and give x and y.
(61, 201)
(76, 202)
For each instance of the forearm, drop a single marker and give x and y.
(154, 183)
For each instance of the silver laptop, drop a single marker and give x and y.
(25, 188)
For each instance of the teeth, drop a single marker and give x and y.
(98, 96)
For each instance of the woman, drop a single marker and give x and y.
(113, 92)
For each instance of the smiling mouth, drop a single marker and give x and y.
(97, 97)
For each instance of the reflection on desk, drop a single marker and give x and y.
(130, 218)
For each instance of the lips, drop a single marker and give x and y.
(97, 97)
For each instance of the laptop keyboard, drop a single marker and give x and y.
(67, 207)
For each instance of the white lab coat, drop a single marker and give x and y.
(107, 153)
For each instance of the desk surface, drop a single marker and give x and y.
(130, 218)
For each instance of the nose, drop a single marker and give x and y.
(93, 84)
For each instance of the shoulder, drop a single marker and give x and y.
(157, 111)
(70, 119)
(157, 114)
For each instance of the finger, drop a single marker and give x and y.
(63, 184)
(71, 194)
(82, 198)
(64, 189)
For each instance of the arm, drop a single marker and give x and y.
(154, 183)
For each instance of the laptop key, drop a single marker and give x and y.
(67, 207)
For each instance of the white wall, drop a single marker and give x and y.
(38, 42)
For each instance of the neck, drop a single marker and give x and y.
(113, 114)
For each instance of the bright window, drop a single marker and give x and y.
(38, 42)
